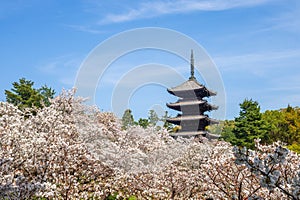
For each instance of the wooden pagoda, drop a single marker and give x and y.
(192, 106)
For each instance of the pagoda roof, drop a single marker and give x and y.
(186, 118)
(190, 86)
(180, 118)
(187, 103)
(213, 121)
(196, 102)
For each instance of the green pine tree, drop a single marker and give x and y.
(24, 95)
(127, 119)
(249, 125)
(143, 122)
(47, 94)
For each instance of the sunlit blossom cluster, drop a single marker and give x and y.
(41, 154)
(71, 151)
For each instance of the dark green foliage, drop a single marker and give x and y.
(150, 121)
(112, 196)
(127, 119)
(271, 126)
(39, 198)
(249, 125)
(24, 95)
(143, 122)
(47, 93)
(115, 196)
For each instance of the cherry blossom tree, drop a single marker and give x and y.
(70, 151)
(275, 166)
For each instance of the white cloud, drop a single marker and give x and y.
(150, 72)
(288, 20)
(257, 60)
(156, 8)
(85, 29)
(271, 78)
(64, 68)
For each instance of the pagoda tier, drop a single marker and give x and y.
(191, 89)
(192, 106)
(193, 121)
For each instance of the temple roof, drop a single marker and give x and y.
(197, 102)
(191, 88)
(177, 120)
(187, 103)
(186, 118)
(190, 84)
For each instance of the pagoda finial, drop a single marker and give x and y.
(192, 65)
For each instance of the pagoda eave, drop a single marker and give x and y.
(187, 118)
(213, 121)
(213, 107)
(178, 120)
(212, 93)
(186, 103)
(192, 93)
(180, 105)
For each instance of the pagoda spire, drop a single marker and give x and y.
(192, 66)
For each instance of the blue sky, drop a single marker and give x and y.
(255, 45)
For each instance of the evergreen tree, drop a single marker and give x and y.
(47, 94)
(153, 118)
(127, 119)
(249, 125)
(143, 122)
(24, 95)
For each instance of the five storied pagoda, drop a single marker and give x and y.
(192, 106)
